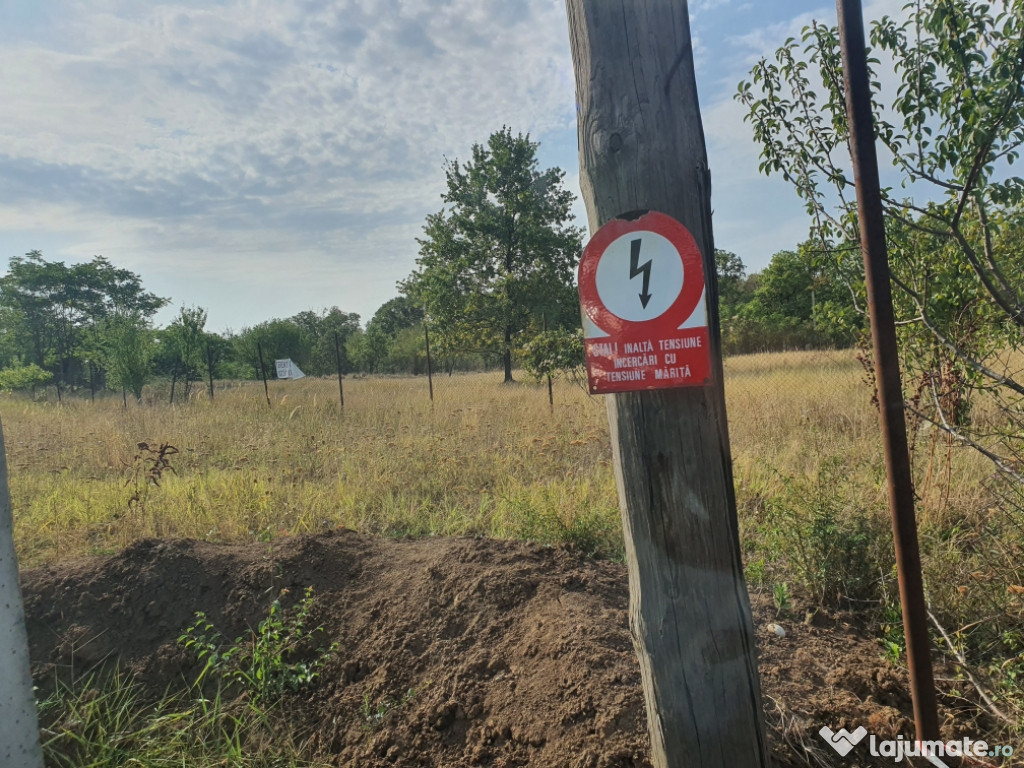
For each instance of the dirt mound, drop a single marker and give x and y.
(452, 652)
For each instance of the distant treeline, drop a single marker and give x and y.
(89, 325)
(799, 301)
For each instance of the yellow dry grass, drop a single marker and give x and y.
(484, 458)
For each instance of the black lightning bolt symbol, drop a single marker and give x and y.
(635, 268)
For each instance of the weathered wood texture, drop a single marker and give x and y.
(642, 148)
(19, 729)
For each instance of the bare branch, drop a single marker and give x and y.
(970, 362)
(967, 671)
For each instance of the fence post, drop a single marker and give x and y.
(642, 148)
(209, 367)
(551, 394)
(263, 372)
(337, 359)
(430, 375)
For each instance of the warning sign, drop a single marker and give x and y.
(645, 321)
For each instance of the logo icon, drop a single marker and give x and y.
(843, 741)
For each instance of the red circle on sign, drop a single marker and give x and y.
(693, 273)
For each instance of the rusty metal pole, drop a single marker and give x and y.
(887, 370)
(337, 359)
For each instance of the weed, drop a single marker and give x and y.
(756, 572)
(892, 639)
(375, 713)
(780, 596)
(267, 664)
(109, 720)
(145, 471)
(826, 539)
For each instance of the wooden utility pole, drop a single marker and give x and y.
(642, 148)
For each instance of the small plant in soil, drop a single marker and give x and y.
(374, 714)
(892, 639)
(780, 596)
(276, 658)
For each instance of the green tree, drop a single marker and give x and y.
(320, 330)
(376, 349)
(733, 287)
(500, 254)
(126, 348)
(791, 304)
(50, 309)
(22, 377)
(395, 315)
(184, 346)
(953, 127)
(554, 353)
(277, 339)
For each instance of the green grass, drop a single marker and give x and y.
(108, 720)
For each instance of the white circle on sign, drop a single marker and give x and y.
(639, 276)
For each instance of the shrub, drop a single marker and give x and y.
(268, 663)
(23, 377)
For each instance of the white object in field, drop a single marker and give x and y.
(286, 369)
(778, 630)
(19, 724)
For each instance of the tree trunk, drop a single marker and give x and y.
(642, 148)
(19, 726)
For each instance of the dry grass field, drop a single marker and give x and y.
(482, 459)
(495, 460)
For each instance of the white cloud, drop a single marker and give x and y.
(756, 216)
(203, 129)
(259, 157)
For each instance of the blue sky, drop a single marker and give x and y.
(263, 157)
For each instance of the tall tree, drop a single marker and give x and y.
(500, 254)
(126, 347)
(51, 307)
(732, 282)
(184, 343)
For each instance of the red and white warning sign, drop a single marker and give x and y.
(645, 323)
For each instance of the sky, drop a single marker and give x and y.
(259, 158)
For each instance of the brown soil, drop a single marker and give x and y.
(518, 655)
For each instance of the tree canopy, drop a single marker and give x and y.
(49, 310)
(499, 258)
(953, 126)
